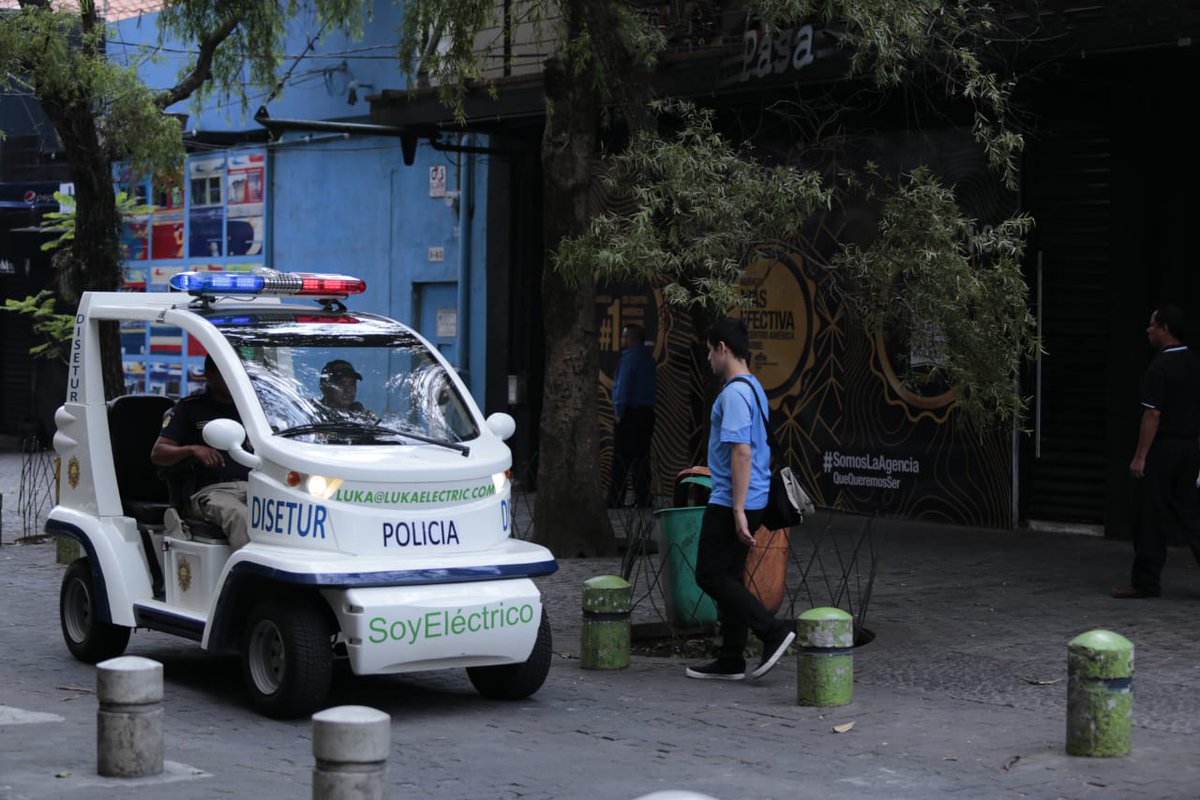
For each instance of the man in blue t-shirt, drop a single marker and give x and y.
(739, 461)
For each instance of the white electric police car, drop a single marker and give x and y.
(381, 539)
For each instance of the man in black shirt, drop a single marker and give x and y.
(220, 497)
(1168, 453)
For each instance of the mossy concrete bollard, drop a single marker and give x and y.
(1099, 694)
(129, 733)
(604, 642)
(825, 665)
(351, 745)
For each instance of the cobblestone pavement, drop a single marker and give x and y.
(961, 694)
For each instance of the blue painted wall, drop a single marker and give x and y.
(349, 204)
(317, 88)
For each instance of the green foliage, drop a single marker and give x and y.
(446, 43)
(132, 126)
(438, 44)
(697, 210)
(950, 291)
(924, 44)
(616, 48)
(56, 328)
(62, 61)
(104, 113)
(63, 222)
(701, 209)
(640, 41)
(249, 55)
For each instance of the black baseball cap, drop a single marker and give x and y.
(339, 368)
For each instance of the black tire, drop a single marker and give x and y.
(287, 657)
(89, 640)
(517, 681)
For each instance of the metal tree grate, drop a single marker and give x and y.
(831, 565)
(832, 568)
(36, 493)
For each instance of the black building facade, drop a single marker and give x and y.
(1107, 174)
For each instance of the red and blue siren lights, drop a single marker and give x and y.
(268, 282)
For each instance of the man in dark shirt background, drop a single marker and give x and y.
(633, 416)
(220, 497)
(1168, 453)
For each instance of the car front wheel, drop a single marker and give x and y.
(287, 657)
(517, 681)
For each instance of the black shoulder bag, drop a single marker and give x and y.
(787, 502)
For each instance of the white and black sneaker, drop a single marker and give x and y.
(719, 670)
(774, 646)
(173, 525)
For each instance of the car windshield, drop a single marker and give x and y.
(346, 378)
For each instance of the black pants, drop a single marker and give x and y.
(719, 567)
(1170, 507)
(631, 453)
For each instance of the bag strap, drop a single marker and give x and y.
(771, 441)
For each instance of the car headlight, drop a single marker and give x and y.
(500, 480)
(320, 486)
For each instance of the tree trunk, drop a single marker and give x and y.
(92, 261)
(570, 517)
(96, 253)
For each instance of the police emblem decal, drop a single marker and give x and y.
(184, 574)
(73, 472)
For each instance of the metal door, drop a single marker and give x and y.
(1068, 183)
(437, 316)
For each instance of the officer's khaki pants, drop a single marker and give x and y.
(224, 504)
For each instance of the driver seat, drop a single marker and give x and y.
(134, 422)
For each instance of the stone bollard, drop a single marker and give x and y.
(604, 642)
(1099, 694)
(825, 665)
(351, 746)
(129, 734)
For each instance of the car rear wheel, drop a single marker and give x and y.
(517, 681)
(88, 638)
(287, 657)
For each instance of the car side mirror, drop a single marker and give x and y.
(501, 424)
(228, 435)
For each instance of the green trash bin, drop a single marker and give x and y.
(679, 528)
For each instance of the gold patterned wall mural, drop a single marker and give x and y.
(863, 441)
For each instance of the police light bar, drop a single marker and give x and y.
(268, 282)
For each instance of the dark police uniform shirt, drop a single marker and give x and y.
(633, 386)
(1171, 385)
(183, 423)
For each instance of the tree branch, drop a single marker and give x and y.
(202, 71)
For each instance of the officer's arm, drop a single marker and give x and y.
(620, 387)
(167, 452)
(1149, 430)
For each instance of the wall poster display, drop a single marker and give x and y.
(211, 216)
